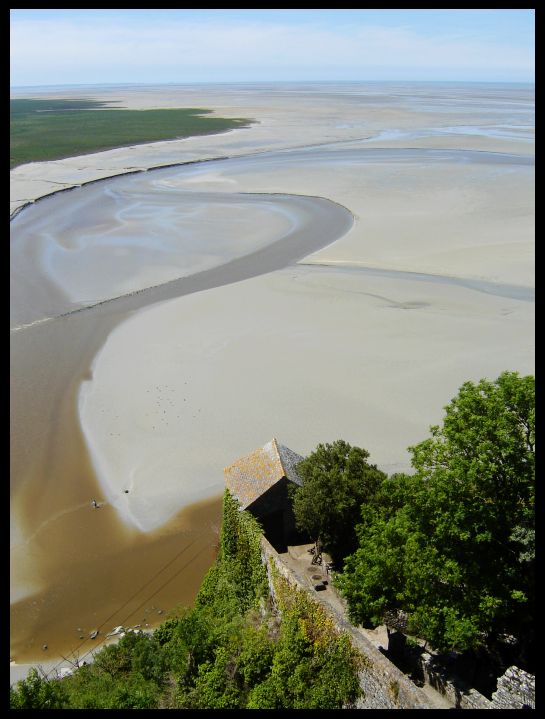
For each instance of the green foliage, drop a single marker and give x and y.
(240, 554)
(35, 692)
(314, 666)
(226, 652)
(265, 695)
(256, 655)
(215, 685)
(133, 653)
(165, 631)
(53, 129)
(453, 545)
(92, 688)
(337, 480)
(126, 675)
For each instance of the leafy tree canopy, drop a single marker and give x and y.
(36, 692)
(452, 545)
(337, 480)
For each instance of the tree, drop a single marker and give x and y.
(126, 675)
(453, 545)
(337, 480)
(36, 692)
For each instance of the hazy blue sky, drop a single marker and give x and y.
(53, 47)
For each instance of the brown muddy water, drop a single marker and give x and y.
(109, 577)
(75, 569)
(83, 568)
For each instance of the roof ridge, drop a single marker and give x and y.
(279, 455)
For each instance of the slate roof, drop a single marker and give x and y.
(251, 476)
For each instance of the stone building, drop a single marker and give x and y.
(260, 483)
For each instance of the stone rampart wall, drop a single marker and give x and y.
(460, 695)
(384, 685)
(516, 690)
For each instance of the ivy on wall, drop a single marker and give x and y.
(241, 550)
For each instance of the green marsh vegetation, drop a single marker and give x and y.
(53, 129)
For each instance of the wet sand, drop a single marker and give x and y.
(52, 477)
(308, 354)
(110, 577)
(246, 361)
(294, 115)
(56, 272)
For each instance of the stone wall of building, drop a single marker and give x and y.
(460, 695)
(516, 690)
(384, 685)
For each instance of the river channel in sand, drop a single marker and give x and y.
(125, 377)
(51, 514)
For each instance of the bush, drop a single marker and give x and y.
(35, 692)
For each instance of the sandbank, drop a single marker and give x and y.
(112, 239)
(288, 117)
(307, 354)
(170, 393)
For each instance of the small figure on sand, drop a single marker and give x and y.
(94, 503)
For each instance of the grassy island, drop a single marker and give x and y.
(54, 129)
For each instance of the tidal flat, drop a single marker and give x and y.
(168, 322)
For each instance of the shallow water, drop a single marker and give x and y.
(86, 259)
(499, 289)
(52, 479)
(125, 234)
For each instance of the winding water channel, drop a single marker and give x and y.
(83, 261)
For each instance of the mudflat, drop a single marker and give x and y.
(363, 251)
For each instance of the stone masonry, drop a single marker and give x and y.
(516, 690)
(384, 685)
(387, 687)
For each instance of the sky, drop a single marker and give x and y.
(100, 46)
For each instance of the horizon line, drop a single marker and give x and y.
(272, 82)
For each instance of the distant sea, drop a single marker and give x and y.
(301, 86)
